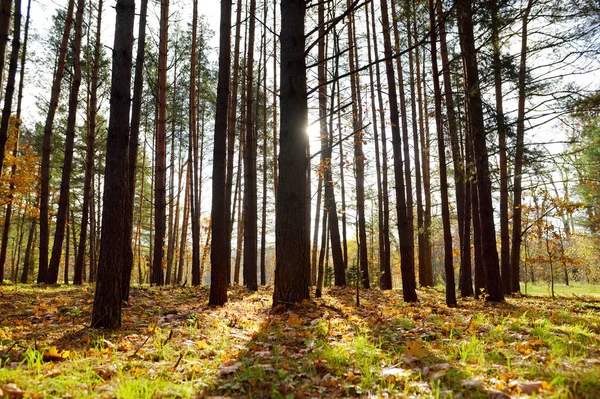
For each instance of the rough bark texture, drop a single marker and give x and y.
(292, 245)
(107, 301)
(220, 229)
(484, 188)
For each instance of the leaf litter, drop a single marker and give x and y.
(172, 345)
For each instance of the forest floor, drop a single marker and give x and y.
(173, 345)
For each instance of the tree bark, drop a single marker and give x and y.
(292, 244)
(250, 200)
(108, 298)
(484, 188)
(219, 255)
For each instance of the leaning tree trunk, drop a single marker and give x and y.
(65, 184)
(46, 146)
(108, 299)
(10, 88)
(292, 241)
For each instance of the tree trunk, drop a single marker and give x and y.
(466, 286)
(250, 200)
(219, 255)
(503, 163)
(65, 184)
(28, 250)
(231, 127)
(515, 252)
(263, 232)
(108, 299)
(359, 156)
(486, 212)
(385, 280)
(46, 146)
(448, 262)
(407, 266)
(160, 199)
(292, 242)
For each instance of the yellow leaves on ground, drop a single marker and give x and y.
(415, 348)
(54, 354)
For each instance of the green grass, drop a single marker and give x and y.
(560, 289)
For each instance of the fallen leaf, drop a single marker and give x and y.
(415, 348)
(530, 387)
(226, 370)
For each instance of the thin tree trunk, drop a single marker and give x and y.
(46, 146)
(10, 83)
(28, 251)
(5, 14)
(359, 156)
(406, 255)
(503, 163)
(448, 263)
(404, 142)
(250, 200)
(160, 217)
(320, 266)
(385, 280)
(89, 154)
(184, 228)
(410, 10)
(65, 185)
(240, 236)
(263, 233)
(517, 229)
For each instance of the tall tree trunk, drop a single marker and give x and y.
(219, 255)
(326, 133)
(359, 156)
(160, 185)
(136, 113)
(410, 20)
(448, 263)
(89, 154)
(426, 269)
(46, 146)
(140, 215)
(240, 234)
(4, 125)
(385, 280)
(517, 229)
(503, 163)
(5, 14)
(231, 127)
(466, 286)
(108, 299)
(12, 76)
(250, 201)
(292, 241)
(263, 233)
(407, 265)
(404, 142)
(484, 187)
(65, 184)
